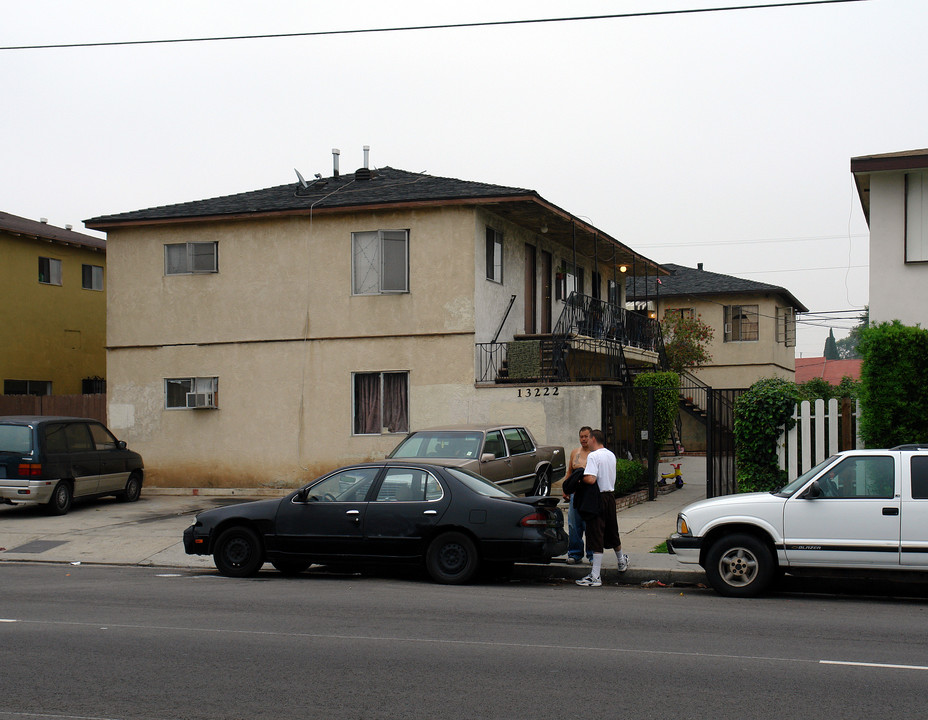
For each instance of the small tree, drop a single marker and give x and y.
(831, 346)
(760, 413)
(893, 387)
(847, 347)
(685, 341)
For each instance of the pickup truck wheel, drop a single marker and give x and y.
(542, 483)
(739, 565)
(238, 552)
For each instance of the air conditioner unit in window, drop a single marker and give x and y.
(728, 328)
(200, 400)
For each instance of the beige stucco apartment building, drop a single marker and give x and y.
(264, 338)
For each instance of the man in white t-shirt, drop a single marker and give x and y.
(602, 531)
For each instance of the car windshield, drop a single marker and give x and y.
(16, 439)
(792, 487)
(440, 444)
(478, 484)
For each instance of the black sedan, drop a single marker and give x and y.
(448, 518)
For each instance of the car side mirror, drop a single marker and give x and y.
(121, 444)
(301, 495)
(487, 457)
(814, 491)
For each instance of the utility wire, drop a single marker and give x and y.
(445, 26)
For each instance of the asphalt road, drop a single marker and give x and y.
(95, 642)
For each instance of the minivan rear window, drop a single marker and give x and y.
(16, 439)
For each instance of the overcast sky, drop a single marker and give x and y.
(723, 137)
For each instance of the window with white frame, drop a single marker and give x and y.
(494, 255)
(614, 293)
(380, 262)
(191, 258)
(786, 326)
(191, 393)
(570, 280)
(740, 323)
(49, 271)
(381, 403)
(91, 277)
(916, 217)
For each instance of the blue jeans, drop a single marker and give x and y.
(575, 529)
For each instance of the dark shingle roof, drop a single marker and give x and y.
(25, 227)
(386, 186)
(685, 281)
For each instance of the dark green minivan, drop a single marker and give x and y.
(53, 460)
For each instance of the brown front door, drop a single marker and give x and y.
(530, 274)
(545, 292)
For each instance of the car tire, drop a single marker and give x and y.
(739, 565)
(133, 489)
(289, 566)
(61, 499)
(238, 552)
(452, 559)
(542, 483)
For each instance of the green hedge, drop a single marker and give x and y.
(629, 474)
(893, 384)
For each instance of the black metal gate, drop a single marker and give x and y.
(720, 441)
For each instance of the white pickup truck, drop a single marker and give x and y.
(860, 512)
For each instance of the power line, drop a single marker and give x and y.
(756, 241)
(445, 26)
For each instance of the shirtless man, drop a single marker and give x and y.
(575, 524)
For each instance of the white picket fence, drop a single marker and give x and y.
(815, 435)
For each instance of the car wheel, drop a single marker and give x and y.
(238, 552)
(452, 559)
(739, 566)
(290, 567)
(133, 489)
(542, 483)
(61, 499)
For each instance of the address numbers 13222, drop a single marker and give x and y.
(538, 392)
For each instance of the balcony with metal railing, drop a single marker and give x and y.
(593, 341)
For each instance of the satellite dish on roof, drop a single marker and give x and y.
(300, 177)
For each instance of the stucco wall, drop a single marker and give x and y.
(897, 290)
(51, 332)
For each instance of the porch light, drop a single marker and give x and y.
(623, 268)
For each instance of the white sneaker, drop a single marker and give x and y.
(623, 562)
(590, 581)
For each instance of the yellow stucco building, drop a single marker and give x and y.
(53, 303)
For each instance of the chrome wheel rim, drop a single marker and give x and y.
(738, 567)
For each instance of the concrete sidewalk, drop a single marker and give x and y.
(149, 533)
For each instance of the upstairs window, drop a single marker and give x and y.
(916, 217)
(190, 258)
(380, 262)
(49, 271)
(191, 393)
(682, 313)
(91, 277)
(740, 323)
(786, 326)
(494, 255)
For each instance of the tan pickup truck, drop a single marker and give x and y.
(506, 454)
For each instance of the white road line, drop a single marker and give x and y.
(8, 620)
(873, 665)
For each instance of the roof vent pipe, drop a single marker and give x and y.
(335, 153)
(68, 227)
(43, 220)
(367, 151)
(699, 266)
